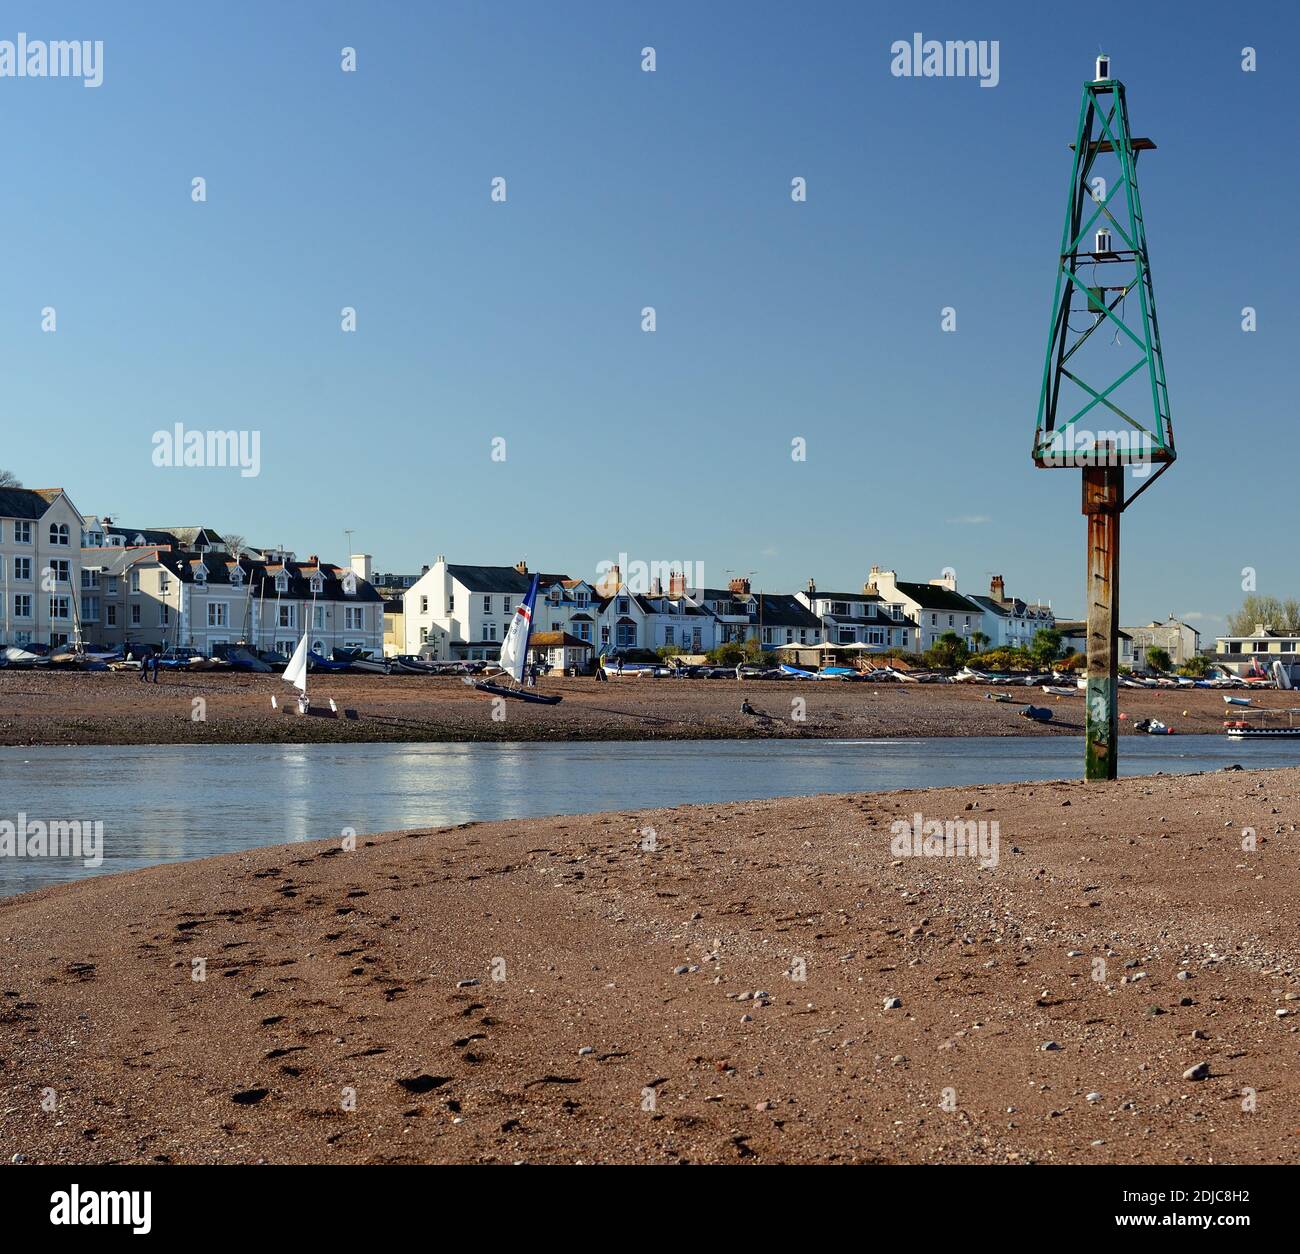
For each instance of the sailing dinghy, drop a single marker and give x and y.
(296, 674)
(514, 657)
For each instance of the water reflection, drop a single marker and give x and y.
(169, 802)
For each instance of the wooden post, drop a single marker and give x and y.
(1103, 497)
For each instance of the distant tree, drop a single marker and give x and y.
(731, 654)
(1158, 659)
(949, 651)
(1006, 658)
(9, 480)
(979, 641)
(1074, 662)
(1046, 647)
(1283, 615)
(235, 543)
(1195, 667)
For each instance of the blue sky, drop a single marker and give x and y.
(625, 189)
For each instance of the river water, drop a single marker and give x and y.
(172, 802)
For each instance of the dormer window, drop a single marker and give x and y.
(350, 584)
(282, 582)
(200, 573)
(317, 584)
(237, 575)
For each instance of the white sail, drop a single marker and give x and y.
(296, 672)
(514, 650)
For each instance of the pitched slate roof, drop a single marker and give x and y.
(260, 576)
(129, 534)
(192, 537)
(499, 578)
(819, 595)
(24, 503)
(931, 596)
(781, 610)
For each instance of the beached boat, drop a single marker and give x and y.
(514, 657)
(362, 660)
(1240, 729)
(316, 662)
(244, 660)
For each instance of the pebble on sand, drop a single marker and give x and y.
(1199, 1072)
(893, 1003)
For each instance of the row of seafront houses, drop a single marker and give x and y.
(68, 578)
(454, 611)
(65, 577)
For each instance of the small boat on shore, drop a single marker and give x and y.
(514, 658)
(1241, 729)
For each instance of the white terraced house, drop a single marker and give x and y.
(859, 618)
(1010, 622)
(40, 568)
(162, 593)
(935, 607)
(455, 612)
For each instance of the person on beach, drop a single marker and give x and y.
(144, 669)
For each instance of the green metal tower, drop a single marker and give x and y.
(1104, 364)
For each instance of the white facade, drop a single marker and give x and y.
(935, 608)
(859, 618)
(40, 568)
(458, 611)
(1180, 640)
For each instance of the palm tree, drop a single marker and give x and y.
(979, 641)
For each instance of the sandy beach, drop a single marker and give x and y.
(69, 707)
(703, 984)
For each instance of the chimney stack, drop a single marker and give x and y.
(677, 585)
(739, 587)
(812, 588)
(997, 588)
(521, 567)
(610, 584)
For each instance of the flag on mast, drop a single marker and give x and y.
(514, 651)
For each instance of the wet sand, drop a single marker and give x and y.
(570, 990)
(68, 707)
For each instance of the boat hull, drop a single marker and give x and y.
(518, 694)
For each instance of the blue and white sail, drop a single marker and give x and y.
(514, 651)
